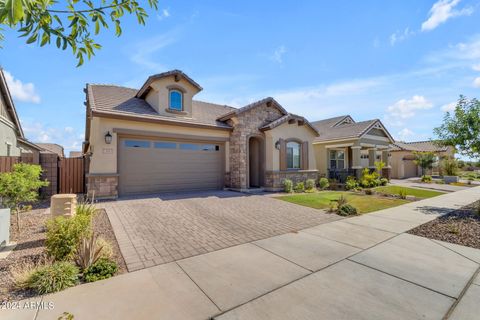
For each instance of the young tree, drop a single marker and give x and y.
(68, 23)
(20, 186)
(461, 128)
(424, 160)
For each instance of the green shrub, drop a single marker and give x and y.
(351, 183)
(383, 181)
(299, 187)
(288, 185)
(368, 192)
(53, 278)
(310, 185)
(88, 252)
(64, 234)
(323, 183)
(85, 208)
(402, 193)
(107, 250)
(369, 179)
(102, 269)
(346, 210)
(450, 167)
(341, 201)
(426, 178)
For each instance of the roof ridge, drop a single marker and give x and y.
(110, 85)
(216, 104)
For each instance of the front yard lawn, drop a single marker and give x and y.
(417, 193)
(363, 203)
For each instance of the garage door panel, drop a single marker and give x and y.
(155, 169)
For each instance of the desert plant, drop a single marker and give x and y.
(288, 185)
(102, 269)
(346, 210)
(424, 160)
(85, 208)
(299, 187)
(402, 193)
(52, 278)
(107, 250)
(88, 251)
(450, 166)
(323, 183)
(23, 270)
(369, 179)
(64, 235)
(310, 185)
(351, 183)
(426, 178)
(20, 186)
(341, 201)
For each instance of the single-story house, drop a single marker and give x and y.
(402, 157)
(53, 148)
(345, 147)
(12, 139)
(159, 139)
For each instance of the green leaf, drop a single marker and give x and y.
(15, 10)
(32, 39)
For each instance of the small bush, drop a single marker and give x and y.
(450, 167)
(426, 178)
(323, 183)
(88, 252)
(368, 192)
(102, 269)
(310, 185)
(64, 234)
(86, 209)
(288, 185)
(341, 201)
(383, 181)
(402, 193)
(369, 179)
(53, 278)
(23, 270)
(351, 183)
(346, 210)
(107, 250)
(299, 187)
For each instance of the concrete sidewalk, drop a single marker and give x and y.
(429, 186)
(364, 267)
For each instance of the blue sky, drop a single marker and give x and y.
(404, 62)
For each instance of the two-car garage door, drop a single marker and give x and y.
(156, 165)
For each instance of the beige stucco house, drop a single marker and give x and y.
(402, 157)
(12, 139)
(345, 147)
(160, 139)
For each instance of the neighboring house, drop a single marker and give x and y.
(345, 147)
(159, 139)
(12, 139)
(51, 148)
(75, 154)
(402, 157)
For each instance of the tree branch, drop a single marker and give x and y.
(88, 10)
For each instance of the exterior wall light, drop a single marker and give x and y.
(277, 145)
(108, 138)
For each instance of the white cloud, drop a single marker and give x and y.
(449, 107)
(67, 137)
(476, 82)
(24, 92)
(443, 10)
(68, 129)
(165, 13)
(400, 36)
(278, 54)
(404, 134)
(144, 55)
(476, 67)
(406, 108)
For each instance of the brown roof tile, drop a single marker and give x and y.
(352, 130)
(419, 146)
(51, 148)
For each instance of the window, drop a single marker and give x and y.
(189, 146)
(165, 145)
(9, 149)
(293, 155)
(176, 100)
(337, 159)
(137, 144)
(210, 147)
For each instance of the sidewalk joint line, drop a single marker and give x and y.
(442, 245)
(275, 254)
(198, 286)
(456, 302)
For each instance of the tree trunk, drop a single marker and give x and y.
(17, 210)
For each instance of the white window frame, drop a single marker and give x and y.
(299, 155)
(336, 159)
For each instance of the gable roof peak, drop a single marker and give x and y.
(269, 101)
(178, 74)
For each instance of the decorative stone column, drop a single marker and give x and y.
(385, 159)
(356, 160)
(372, 155)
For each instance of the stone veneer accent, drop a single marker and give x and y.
(245, 125)
(49, 163)
(102, 186)
(274, 179)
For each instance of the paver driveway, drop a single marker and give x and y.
(157, 229)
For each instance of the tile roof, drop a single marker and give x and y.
(267, 100)
(419, 146)
(177, 73)
(51, 148)
(112, 99)
(351, 130)
(286, 118)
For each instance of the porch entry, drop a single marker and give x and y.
(256, 161)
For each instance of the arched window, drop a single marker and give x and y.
(176, 100)
(293, 155)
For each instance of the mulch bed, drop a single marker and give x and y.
(460, 227)
(30, 247)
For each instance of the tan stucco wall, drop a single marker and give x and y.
(287, 131)
(8, 136)
(158, 96)
(321, 154)
(104, 156)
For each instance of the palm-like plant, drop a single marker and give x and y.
(88, 252)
